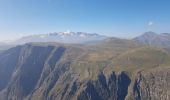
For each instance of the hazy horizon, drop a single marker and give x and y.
(117, 18)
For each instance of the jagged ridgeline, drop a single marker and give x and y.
(114, 69)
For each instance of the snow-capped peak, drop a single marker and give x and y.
(68, 32)
(63, 37)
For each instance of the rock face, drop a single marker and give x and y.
(152, 85)
(113, 88)
(8, 61)
(57, 72)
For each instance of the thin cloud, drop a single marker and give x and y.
(150, 23)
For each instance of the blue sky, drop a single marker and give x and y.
(120, 18)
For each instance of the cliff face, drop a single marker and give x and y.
(8, 61)
(113, 88)
(48, 72)
(152, 85)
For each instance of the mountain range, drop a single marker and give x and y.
(106, 69)
(62, 37)
(147, 38)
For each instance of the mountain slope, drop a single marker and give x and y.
(109, 70)
(151, 38)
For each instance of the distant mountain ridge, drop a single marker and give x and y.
(62, 37)
(148, 38)
(151, 38)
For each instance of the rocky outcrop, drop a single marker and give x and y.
(113, 88)
(151, 85)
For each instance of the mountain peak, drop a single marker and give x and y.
(151, 38)
(149, 33)
(147, 36)
(68, 32)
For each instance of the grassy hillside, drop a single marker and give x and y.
(112, 54)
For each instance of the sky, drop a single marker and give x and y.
(119, 18)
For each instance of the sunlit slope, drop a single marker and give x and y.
(143, 57)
